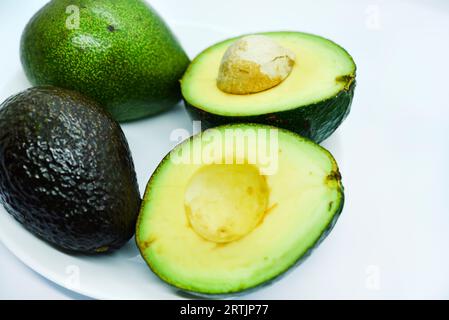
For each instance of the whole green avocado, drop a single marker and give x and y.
(66, 172)
(118, 52)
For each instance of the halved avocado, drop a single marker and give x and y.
(312, 101)
(237, 206)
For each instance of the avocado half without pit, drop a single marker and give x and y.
(237, 206)
(292, 80)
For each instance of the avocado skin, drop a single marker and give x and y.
(335, 177)
(66, 172)
(315, 122)
(122, 55)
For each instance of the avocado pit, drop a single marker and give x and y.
(253, 64)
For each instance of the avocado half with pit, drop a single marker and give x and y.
(237, 206)
(313, 100)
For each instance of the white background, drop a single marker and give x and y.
(392, 239)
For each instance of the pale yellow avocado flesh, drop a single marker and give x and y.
(320, 66)
(269, 221)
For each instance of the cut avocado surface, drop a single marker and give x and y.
(313, 100)
(216, 219)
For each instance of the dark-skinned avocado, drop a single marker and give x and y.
(235, 207)
(118, 52)
(66, 172)
(313, 100)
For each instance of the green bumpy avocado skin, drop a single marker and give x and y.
(118, 52)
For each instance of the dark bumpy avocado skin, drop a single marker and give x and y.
(316, 122)
(66, 172)
(121, 54)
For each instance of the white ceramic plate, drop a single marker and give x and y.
(392, 239)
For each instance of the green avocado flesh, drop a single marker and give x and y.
(66, 172)
(120, 53)
(312, 101)
(237, 206)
